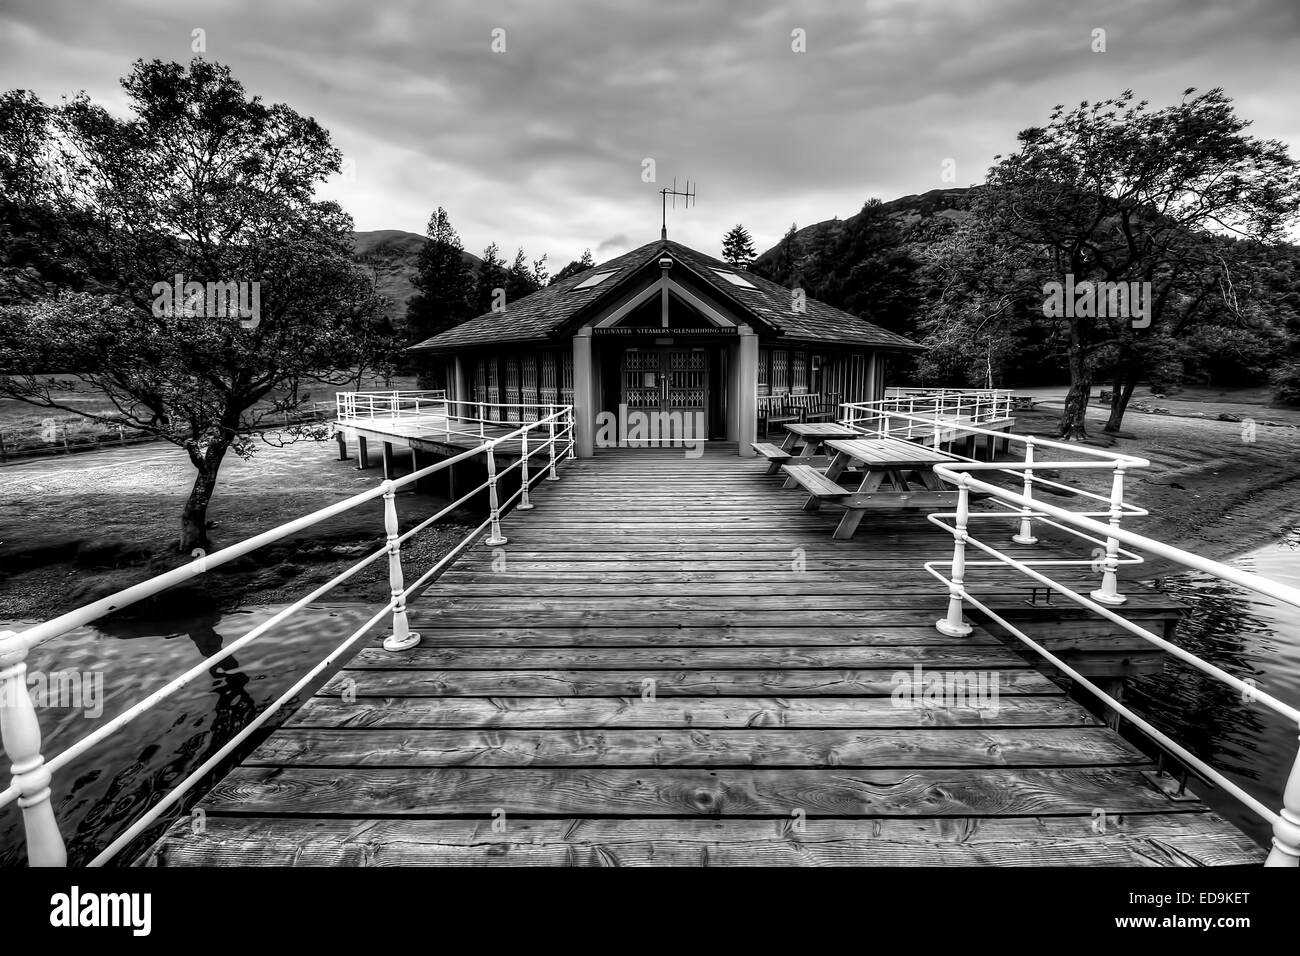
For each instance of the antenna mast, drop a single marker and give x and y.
(688, 195)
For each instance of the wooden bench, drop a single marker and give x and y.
(776, 455)
(784, 409)
(774, 410)
(820, 488)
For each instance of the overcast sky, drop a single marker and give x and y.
(543, 144)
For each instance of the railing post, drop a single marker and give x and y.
(402, 636)
(550, 422)
(952, 624)
(524, 503)
(1286, 830)
(21, 733)
(495, 537)
(1108, 593)
(1026, 533)
(568, 422)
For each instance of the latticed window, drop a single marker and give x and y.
(566, 378)
(493, 380)
(764, 360)
(799, 372)
(528, 386)
(549, 391)
(512, 388)
(780, 371)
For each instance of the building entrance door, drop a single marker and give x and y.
(669, 388)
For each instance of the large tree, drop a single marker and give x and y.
(521, 279)
(491, 276)
(444, 286)
(738, 247)
(200, 185)
(1111, 192)
(575, 267)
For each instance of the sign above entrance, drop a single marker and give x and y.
(630, 330)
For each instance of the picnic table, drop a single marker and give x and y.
(802, 443)
(892, 475)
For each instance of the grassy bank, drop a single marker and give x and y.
(1213, 488)
(76, 529)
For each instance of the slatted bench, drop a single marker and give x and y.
(776, 455)
(820, 488)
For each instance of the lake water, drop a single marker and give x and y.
(99, 795)
(1250, 636)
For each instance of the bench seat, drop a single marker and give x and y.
(819, 487)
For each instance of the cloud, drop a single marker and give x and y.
(542, 145)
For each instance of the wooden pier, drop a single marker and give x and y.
(671, 663)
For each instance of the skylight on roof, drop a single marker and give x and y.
(735, 279)
(593, 280)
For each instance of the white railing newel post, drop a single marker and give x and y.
(952, 624)
(402, 636)
(1286, 829)
(524, 503)
(1108, 593)
(1026, 533)
(21, 734)
(550, 424)
(495, 537)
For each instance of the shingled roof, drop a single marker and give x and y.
(541, 316)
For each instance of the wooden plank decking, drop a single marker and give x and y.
(671, 663)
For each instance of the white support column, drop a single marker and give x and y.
(1026, 533)
(1286, 831)
(1108, 593)
(584, 403)
(745, 373)
(402, 636)
(21, 733)
(953, 625)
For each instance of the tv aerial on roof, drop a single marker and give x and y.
(688, 195)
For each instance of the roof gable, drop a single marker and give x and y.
(565, 305)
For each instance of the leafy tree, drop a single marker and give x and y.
(575, 267)
(521, 279)
(203, 182)
(444, 286)
(1111, 192)
(491, 276)
(786, 261)
(738, 247)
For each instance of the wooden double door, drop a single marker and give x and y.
(670, 384)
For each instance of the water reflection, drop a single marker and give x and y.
(1252, 637)
(98, 796)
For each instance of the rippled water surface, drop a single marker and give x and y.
(101, 793)
(1249, 636)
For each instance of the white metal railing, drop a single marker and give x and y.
(1114, 546)
(550, 437)
(368, 406)
(908, 412)
(437, 414)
